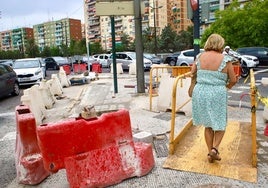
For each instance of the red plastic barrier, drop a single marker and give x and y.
(266, 130)
(75, 136)
(67, 69)
(79, 68)
(237, 70)
(29, 162)
(96, 67)
(110, 165)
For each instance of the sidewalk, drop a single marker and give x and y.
(100, 93)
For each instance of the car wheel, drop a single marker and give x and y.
(244, 70)
(183, 64)
(16, 89)
(172, 62)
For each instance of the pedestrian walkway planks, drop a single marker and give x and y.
(236, 153)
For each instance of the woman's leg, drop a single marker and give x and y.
(209, 137)
(214, 154)
(218, 135)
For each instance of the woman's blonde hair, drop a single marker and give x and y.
(214, 42)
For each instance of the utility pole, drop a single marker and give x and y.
(196, 19)
(139, 47)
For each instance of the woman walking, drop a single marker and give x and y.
(215, 74)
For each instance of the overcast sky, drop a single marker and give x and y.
(26, 13)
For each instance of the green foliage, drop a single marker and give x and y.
(95, 48)
(46, 52)
(32, 49)
(168, 41)
(247, 26)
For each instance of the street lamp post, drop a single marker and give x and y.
(155, 36)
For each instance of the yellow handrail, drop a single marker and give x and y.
(253, 117)
(176, 70)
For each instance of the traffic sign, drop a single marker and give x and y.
(116, 8)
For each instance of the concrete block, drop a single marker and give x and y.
(143, 137)
(55, 85)
(119, 68)
(46, 95)
(264, 81)
(32, 99)
(132, 69)
(63, 78)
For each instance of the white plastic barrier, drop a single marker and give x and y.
(63, 78)
(165, 94)
(132, 69)
(32, 98)
(46, 95)
(119, 68)
(55, 85)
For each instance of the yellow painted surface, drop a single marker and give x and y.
(235, 150)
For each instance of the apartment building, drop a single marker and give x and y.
(157, 15)
(57, 33)
(15, 39)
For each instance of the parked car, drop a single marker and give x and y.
(55, 62)
(181, 58)
(153, 58)
(260, 52)
(247, 60)
(126, 58)
(103, 59)
(8, 81)
(7, 62)
(29, 71)
(84, 59)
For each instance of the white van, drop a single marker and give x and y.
(103, 59)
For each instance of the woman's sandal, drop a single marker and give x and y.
(214, 154)
(210, 160)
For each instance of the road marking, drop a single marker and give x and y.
(243, 87)
(9, 136)
(235, 91)
(7, 114)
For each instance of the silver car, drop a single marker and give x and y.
(186, 57)
(126, 58)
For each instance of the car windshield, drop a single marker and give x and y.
(150, 56)
(132, 55)
(26, 64)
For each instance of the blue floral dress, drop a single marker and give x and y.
(209, 99)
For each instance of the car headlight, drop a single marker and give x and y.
(248, 58)
(37, 72)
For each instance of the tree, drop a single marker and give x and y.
(167, 42)
(31, 49)
(242, 26)
(185, 39)
(46, 52)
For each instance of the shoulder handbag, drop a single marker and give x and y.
(193, 82)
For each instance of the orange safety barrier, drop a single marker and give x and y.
(110, 165)
(237, 70)
(79, 68)
(67, 69)
(29, 162)
(95, 152)
(75, 136)
(96, 67)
